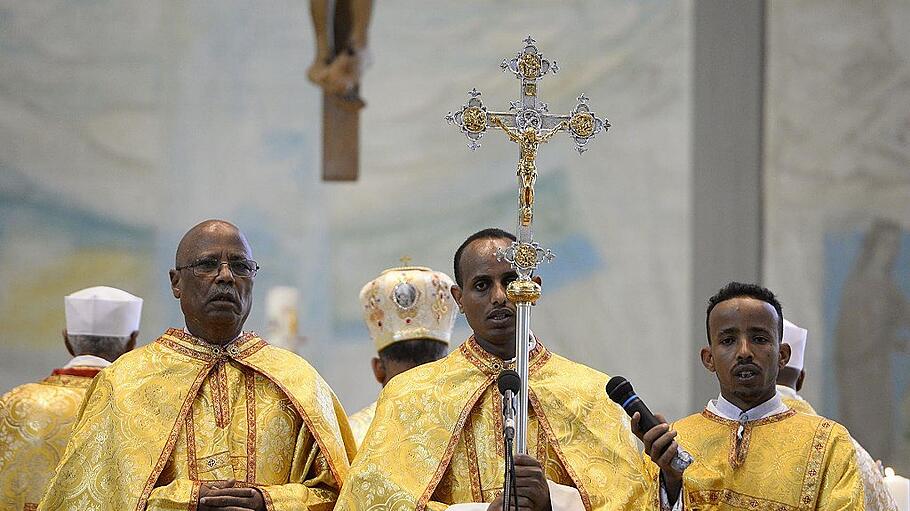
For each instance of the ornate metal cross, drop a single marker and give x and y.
(529, 124)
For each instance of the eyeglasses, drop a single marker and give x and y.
(243, 268)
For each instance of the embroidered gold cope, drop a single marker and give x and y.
(36, 420)
(788, 461)
(179, 411)
(360, 422)
(436, 439)
(876, 494)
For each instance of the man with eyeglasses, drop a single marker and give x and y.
(206, 417)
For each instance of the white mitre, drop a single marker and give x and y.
(410, 302)
(102, 311)
(796, 338)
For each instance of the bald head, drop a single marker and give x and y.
(189, 244)
(213, 279)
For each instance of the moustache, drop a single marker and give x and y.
(224, 293)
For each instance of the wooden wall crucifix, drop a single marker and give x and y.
(341, 55)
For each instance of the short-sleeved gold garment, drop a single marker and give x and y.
(786, 462)
(36, 420)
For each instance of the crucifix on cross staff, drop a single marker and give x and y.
(529, 124)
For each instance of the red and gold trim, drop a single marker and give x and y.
(68, 380)
(249, 378)
(220, 396)
(194, 496)
(453, 442)
(303, 415)
(194, 347)
(191, 462)
(491, 365)
(473, 463)
(739, 448)
(269, 504)
(734, 499)
(172, 438)
(544, 424)
(80, 371)
(812, 480)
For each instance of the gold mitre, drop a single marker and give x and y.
(410, 302)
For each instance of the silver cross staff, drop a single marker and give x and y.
(529, 124)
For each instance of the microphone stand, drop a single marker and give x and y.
(508, 482)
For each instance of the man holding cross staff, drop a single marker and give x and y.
(436, 441)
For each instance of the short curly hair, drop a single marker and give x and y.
(739, 289)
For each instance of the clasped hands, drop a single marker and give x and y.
(223, 496)
(531, 483)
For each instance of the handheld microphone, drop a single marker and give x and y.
(509, 384)
(621, 392)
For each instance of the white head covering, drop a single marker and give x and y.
(796, 338)
(410, 302)
(103, 311)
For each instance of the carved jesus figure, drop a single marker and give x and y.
(528, 141)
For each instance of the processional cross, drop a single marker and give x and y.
(529, 124)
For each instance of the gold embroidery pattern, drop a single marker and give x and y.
(740, 448)
(474, 466)
(456, 434)
(194, 496)
(35, 424)
(554, 444)
(171, 438)
(814, 465)
(337, 466)
(249, 378)
(269, 505)
(440, 298)
(492, 365)
(795, 462)
(136, 411)
(739, 500)
(409, 456)
(191, 448)
(220, 396)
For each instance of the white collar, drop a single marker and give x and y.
(87, 361)
(728, 410)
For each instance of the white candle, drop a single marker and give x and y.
(899, 488)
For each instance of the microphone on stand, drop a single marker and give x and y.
(509, 384)
(621, 392)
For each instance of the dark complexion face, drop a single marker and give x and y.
(483, 297)
(215, 307)
(745, 350)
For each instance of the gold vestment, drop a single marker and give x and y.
(436, 439)
(788, 461)
(360, 422)
(876, 494)
(176, 412)
(36, 420)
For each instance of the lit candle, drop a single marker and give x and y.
(899, 488)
